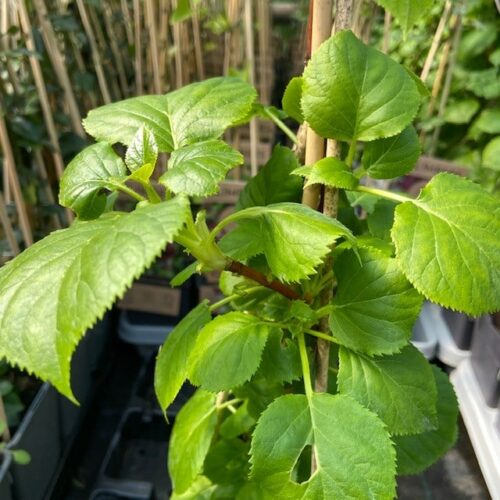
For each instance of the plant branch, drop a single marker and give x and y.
(230, 298)
(279, 123)
(306, 370)
(389, 195)
(321, 335)
(257, 276)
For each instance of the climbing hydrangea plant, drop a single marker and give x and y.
(255, 427)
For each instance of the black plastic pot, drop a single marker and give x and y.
(135, 464)
(85, 363)
(460, 326)
(5, 477)
(39, 435)
(485, 359)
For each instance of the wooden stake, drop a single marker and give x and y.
(3, 417)
(59, 66)
(139, 86)
(151, 23)
(198, 51)
(96, 58)
(7, 229)
(10, 166)
(128, 22)
(163, 44)
(178, 50)
(387, 32)
(436, 40)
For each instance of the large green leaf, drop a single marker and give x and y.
(407, 12)
(143, 150)
(273, 183)
(197, 169)
(171, 363)
(461, 111)
(399, 388)
(353, 92)
(416, 453)
(197, 112)
(392, 157)
(95, 168)
(203, 110)
(375, 307)
(227, 351)
(120, 121)
(56, 289)
(294, 238)
(491, 154)
(447, 244)
(292, 97)
(192, 434)
(330, 172)
(354, 454)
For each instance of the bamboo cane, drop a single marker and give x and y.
(57, 61)
(436, 41)
(8, 230)
(117, 55)
(163, 43)
(3, 417)
(387, 32)
(178, 52)
(13, 179)
(96, 58)
(139, 85)
(200, 69)
(127, 21)
(151, 23)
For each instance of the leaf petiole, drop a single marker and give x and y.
(306, 370)
(229, 404)
(230, 298)
(279, 123)
(389, 195)
(321, 335)
(125, 189)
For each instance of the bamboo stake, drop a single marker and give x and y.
(387, 32)
(315, 145)
(127, 21)
(177, 53)
(264, 59)
(96, 58)
(117, 55)
(139, 85)
(436, 41)
(163, 44)
(3, 417)
(8, 230)
(250, 52)
(200, 69)
(457, 26)
(57, 61)
(10, 166)
(151, 23)
(42, 172)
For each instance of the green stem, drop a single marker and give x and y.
(324, 311)
(389, 195)
(231, 402)
(306, 371)
(129, 191)
(350, 154)
(230, 298)
(321, 335)
(282, 126)
(153, 196)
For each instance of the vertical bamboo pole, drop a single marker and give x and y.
(387, 32)
(177, 53)
(3, 417)
(200, 69)
(10, 166)
(96, 58)
(264, 51)
(9, 232)
(139, 85)
(163, 43)
(42, 172)
(436, 41)
(59, 67)
(127, 21)
(151, 23)
(250, 57)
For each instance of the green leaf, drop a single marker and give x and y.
(416, 453)
(273, 183)
(197, 169)
(407, 12)
(399, 388)
(308, 237)
(354, 92)
(392, 157)
(237, 423)
(227, 462)
(462, 111)
(381, 220)
(330, 172)
(447, 244)
(142, 150)
(488, 121)
(21, 457)
(366, 201)
(182, 276)
(280, 359)
(259, 393)
(475, 42)
(228, 351)
(95, 168)
(171, 364)
(120, 121)
(292, 97)
(484, 83)
(375, 307)
(181, 12)
(203, 110)
(196, 112)
(491, 154)
(200, 489)
(355, 457)
(190, 441)
(57, 289)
